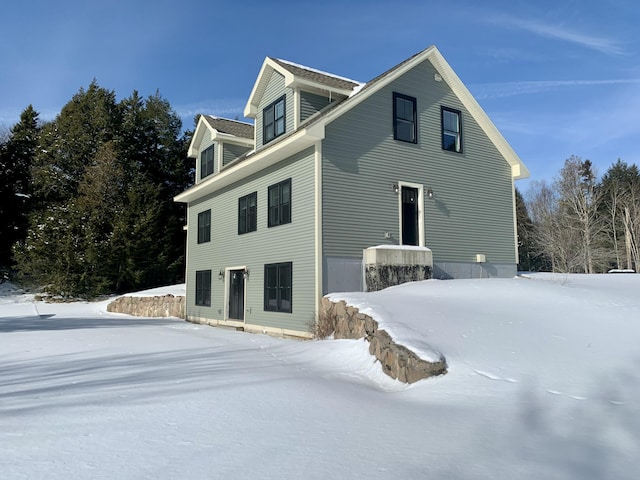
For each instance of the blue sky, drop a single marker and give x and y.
(558, 78)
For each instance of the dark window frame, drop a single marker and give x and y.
(445, 133)
(275, 290)
(248, 214)
(204, 226)
(207, 164)
(203, 288)
(279, 212)
(269, 120)
(401, 120)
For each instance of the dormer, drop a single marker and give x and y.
(217, 142)
(286, 94)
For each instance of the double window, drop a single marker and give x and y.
(273, 120)
(451, 129)
(203, 288)
(206, 162)
(280, 203)
(277, 287)
(405, 124)
(247, 213)
(204, 226)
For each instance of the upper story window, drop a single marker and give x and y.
(405, 125)
(273, 120)
(451, 129)
(280, 203)
(247, 213)
(204, 226)
(206, 162)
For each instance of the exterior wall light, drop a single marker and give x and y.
(429, 193)
(245, 274)
(221, 274)
(395, 188)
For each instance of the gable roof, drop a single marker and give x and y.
(230, 127)
(296, 75)
(313, 129)
(231, 131)
(447, 75)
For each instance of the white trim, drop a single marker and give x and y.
(318, 225)
(251, 327)
(218, 159)
(515, 223)
(257, 161)
(420, 188)
(227, 288)
(296, 108)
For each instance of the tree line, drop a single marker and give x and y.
(579, 223)
(86, 200)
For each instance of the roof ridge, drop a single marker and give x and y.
(215, 117)
(316, 70)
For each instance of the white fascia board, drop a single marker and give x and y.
(305, 84)
(258, 161)
(268, 67)
(201, 129)
(518, 168)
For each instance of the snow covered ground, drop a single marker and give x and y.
(544, 383)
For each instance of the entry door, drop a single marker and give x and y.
(409, 221)
(236, 295)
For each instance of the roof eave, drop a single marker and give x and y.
(260, 160)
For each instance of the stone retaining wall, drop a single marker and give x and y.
(397, 361)
(158, 306)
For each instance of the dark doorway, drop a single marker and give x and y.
(236, 295)
(409, 219)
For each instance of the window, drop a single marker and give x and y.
(273, 120)
(277, 287)
(280, 203)
(206, 162)
(405, 126)
(451, 130)
(247, 213)
(204, 226)
(203, 288)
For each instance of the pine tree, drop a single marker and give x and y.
(16, 158)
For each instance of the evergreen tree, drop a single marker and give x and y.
(529, 259)
(16, 158)
(69, 142)
(104, 179)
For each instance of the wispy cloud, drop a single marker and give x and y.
(483, 91)
(560, 32)
(229, 108)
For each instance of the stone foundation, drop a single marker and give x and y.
(158, 306)
(397, 361)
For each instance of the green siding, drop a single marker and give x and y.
(230, 152)
(472, 209)
(311, 103)
(292, 242)
(275, 89)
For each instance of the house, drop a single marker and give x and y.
(281, 210)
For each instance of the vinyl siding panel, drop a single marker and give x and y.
(293, 242)
(311, 103)
(274, 90)
(472, 209)
(230, 152)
